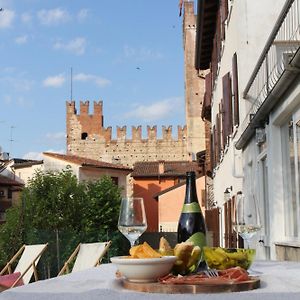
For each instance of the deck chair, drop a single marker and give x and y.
(86, 256)
(26, 267)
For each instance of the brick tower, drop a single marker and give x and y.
(194, 84)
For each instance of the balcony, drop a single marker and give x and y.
(276, 69)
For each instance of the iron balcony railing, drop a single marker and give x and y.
(275, 65)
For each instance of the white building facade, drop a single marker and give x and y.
(254, 93)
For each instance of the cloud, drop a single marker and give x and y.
(21, 39)
(157, 110)
(53, 16)
(54, 81)
(57, 136)
(82, 14)
(7, 18)
(75, 46)
(26, 18)
(141, 54)
(18, 83)
(39, 155)
(100, 81)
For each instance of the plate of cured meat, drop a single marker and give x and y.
(230, 280)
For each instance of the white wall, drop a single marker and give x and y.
(249, 25)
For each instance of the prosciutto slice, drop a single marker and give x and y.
(231, 275)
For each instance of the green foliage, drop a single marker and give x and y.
(10, 235)
(57, 209)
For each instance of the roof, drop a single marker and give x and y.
(155, 196)
(23, 163)
(8, 181)
(86, 162)
(171, 168)
(206, 27)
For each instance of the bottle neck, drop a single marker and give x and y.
(190, 192)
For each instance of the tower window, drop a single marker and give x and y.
(84, 136)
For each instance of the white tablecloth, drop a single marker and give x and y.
(279, 280)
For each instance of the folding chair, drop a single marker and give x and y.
(29, 258)
(86, 256)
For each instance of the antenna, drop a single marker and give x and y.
(11, 139)
(71, 83)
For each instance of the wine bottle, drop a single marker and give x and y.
(191, 225)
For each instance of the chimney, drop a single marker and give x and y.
(161, 167)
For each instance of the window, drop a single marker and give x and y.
(84, 136)
(2, 216)
(9, 194)
(290, 134)
(115, 180)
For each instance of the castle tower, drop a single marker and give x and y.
(194, 85)
(83, 126)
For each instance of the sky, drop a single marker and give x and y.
(129, 54)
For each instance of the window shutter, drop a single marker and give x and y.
(208, 86)
(224, 137)
(227, 105)
(235, 90)
(218, 126)
(214, 146)
(218, 36)
(212, 160)
(206, 108)
(224, 15)
(214, 61)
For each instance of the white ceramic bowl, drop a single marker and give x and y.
(143, 269)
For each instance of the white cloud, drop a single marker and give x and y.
(33, 155)
(21, 39)
(100, 81)
(7, 18)
(57, 136)
(53, 16)
(76, 46)
(156, 111)
(82, 14)
(39, 155)
(141, 54)
(26, 18)
(18, 83)
(55, 81)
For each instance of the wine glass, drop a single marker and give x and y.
(132, 219)
(246, 217)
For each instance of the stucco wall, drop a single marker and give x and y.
(170, 205)
(147, 188)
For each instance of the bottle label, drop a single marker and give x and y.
(198, 238)
(191, 208)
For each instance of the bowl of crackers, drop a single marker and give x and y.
(144, 264)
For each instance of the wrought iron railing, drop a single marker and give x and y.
(279, 51)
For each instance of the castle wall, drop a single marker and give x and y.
(86, 137)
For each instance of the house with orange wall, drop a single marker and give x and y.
(151, 178)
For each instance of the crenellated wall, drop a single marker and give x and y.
(87, 137)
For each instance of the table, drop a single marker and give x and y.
(279, 280)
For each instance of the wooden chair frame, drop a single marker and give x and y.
(66, 269)
(8, 266)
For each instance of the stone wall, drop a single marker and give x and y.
(86, 137)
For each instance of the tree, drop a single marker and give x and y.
(58, 209)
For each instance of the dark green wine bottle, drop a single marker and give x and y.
(191, 225)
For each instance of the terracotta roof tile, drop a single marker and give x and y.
(86, 162)
(8, 181)
(171, 168)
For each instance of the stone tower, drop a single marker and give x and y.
(194, 84)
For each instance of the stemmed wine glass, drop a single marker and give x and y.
(132, 219)
(246, 217)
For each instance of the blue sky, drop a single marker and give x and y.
(128, 54)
